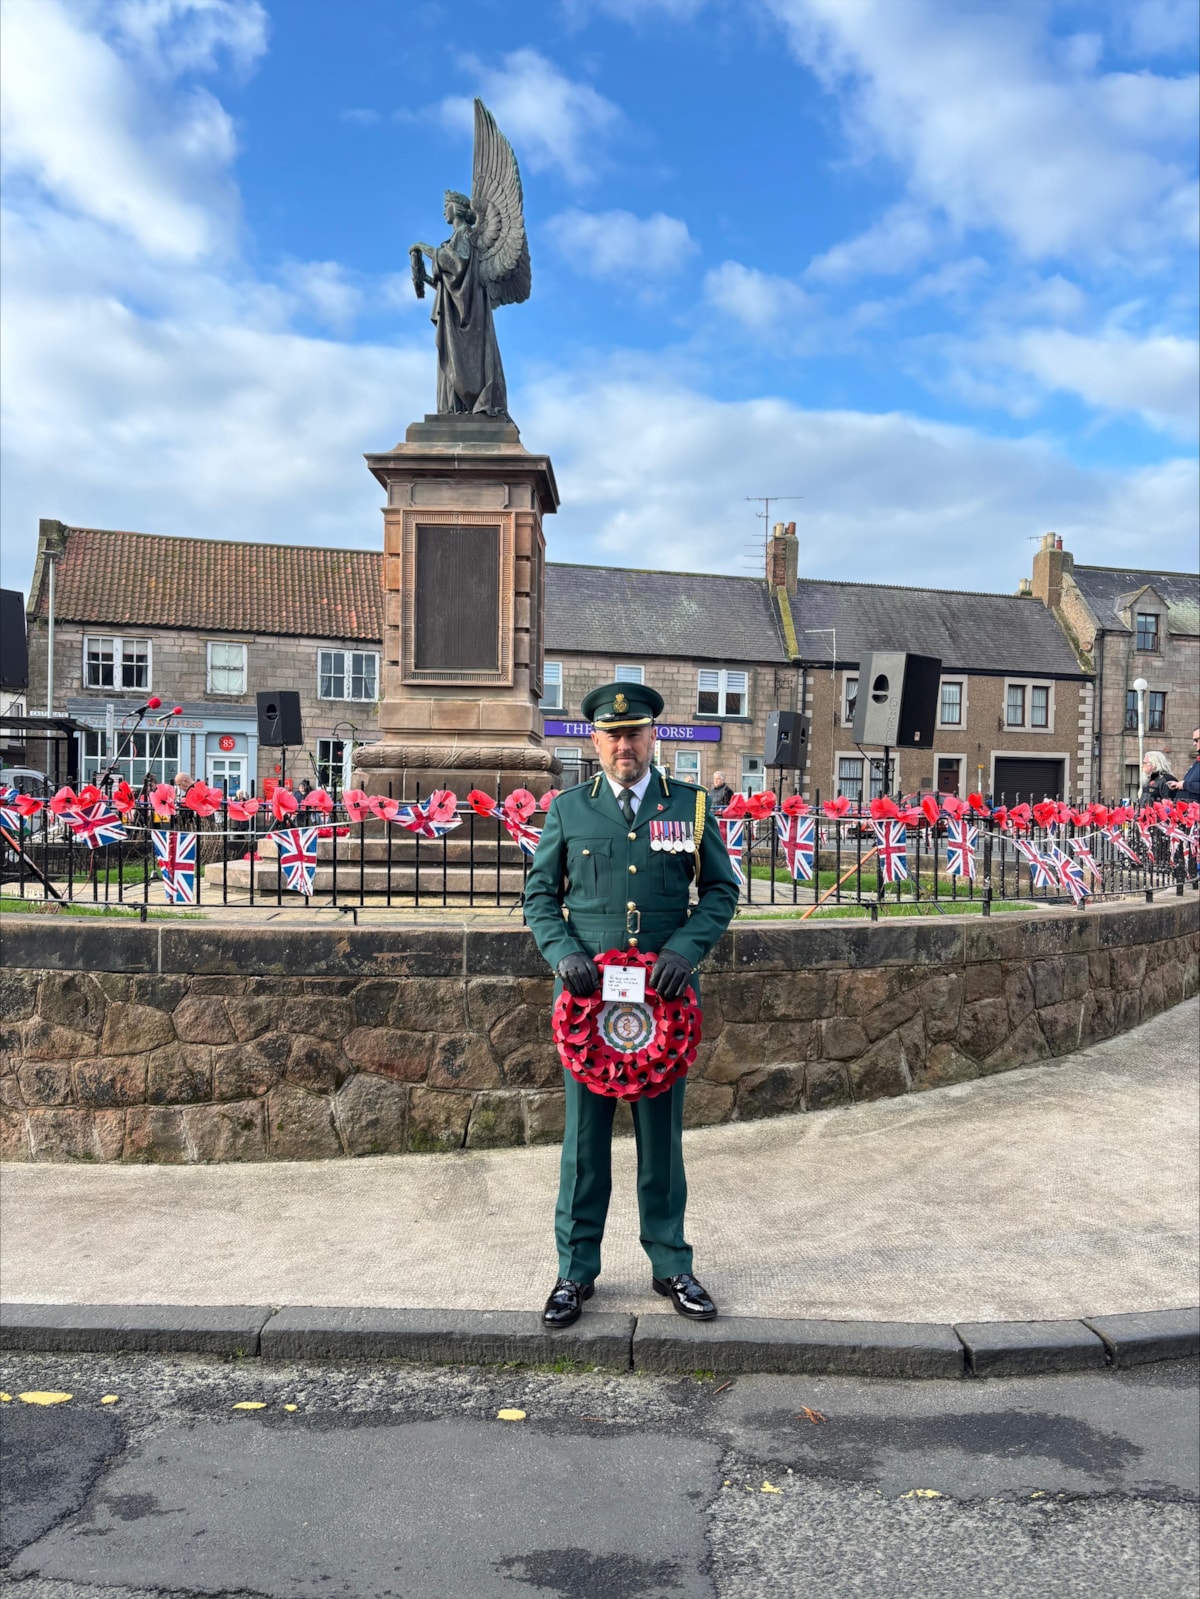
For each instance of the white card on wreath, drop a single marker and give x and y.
(625, 982)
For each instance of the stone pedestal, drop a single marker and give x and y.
(464, 585)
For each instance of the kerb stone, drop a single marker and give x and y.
(783, 1344)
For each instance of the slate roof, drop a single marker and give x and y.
(603, 609)
(996, 633)
(1106, 587)
(155, 580)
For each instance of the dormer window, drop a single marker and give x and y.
(1147, 631)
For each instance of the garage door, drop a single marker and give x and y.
(1030, 780)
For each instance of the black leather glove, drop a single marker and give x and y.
(671, 975)
(580, 975)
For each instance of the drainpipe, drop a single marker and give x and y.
(52, 558)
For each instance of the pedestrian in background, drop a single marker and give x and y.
(720, 795)
(1157, 777)
(1188, 787)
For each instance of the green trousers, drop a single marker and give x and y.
(585, 1181)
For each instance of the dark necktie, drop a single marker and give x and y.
(626, 804)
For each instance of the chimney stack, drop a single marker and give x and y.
(783, 553)
(1049, 564)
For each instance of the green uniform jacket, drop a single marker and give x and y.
(595, 883)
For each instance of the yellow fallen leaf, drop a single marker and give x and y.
(770, 1488)
(5, 1399)
(510, 1415)
(251, 1404)
(921, 1493)
(110, 1399)
(37, 1397)
(291, 1407)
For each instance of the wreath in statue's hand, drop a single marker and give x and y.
(623, 1049)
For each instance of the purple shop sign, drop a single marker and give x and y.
(667, 732)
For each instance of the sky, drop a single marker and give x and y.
(922, 271)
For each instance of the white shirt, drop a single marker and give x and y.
(637, 791)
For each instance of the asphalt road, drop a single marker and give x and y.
(388, 1480)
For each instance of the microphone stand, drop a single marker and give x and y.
(110, 770)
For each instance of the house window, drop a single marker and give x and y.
(1131, 710)
(116, 663)
(754, 778)
(949, 775)
(226, 668)
(149, 754)
(332, 764)
(1133, 780)
(849, 697)
(1147, 631)
(629, 674)
(1156, 712)
(722, 693)
(1039, 706)
(951, 712)
(552, 686)
(347, 674)
(687, 765)
(1015, 714)
(850, 770)
(571, 758)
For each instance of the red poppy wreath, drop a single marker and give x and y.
(623, 1049)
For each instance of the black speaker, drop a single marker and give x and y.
(279, 717)
(787, 739)
(14, 650)
(897, 699)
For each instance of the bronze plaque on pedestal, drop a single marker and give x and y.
(457, 621)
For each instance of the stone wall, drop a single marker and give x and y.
(193, 1042)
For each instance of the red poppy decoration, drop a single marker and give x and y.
(442, 805)
(242, 810)
(1000, 816)
(882, 808)
(203, 800)
(795, 805)
(736, 807)
(520, 805)
(836, 808)
(1020, 815)
(28, 805)
(383, 806)
(976, 802)
(760, 806)
(1045, 814)
(358, 806)
(162, 799)
(548, 799)
(283, 804)
(626, 1051)
(123, 798)
(930, 809)
(65, 800)
(482, 804)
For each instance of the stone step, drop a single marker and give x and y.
(372, 879)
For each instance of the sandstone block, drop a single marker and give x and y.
(893, 1013)
(1129, 1005)
(371, 1113)
(798, 996)
(253, 1015)
(201, 1019)
(944, 1064)
(314, 1065)
(826, 1083)
(154, 1134)
(134, 1029)
(706, 1104)
(72, 999)
(1060, 1025)
(984, 980)
(881, 1073)
(299, 1125)
(46, 1083)
(534, 1066)
(941, 1004)
(1129, 966)
(162, 990)
(241, 1072)
(437, 1120)
(841, 1038)
(113, 985)
(496, 1122)
(1018, 993)
(235, 1131)
(741, 997)
(179, 1074)
(738, 1051)
(14, 1142)
(524, 1025)
(982, 1027)
(783, 1042)
(863, 990)
(331, 1017)
(1100, 969)
(1099, 1017)
(406, 1057)
(427, 1005)
(372, 1001)
(18, 995)
(110, 1134)
(1074, 976)
(1024, 1044)
(111, 1082)
(1152, 995)
(545, 1117)
(45, 1040)
(770, 1091)
(462, 1060)
(61, 1134)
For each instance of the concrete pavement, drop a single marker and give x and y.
(1062, 1190)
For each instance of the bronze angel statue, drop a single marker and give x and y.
(484, 263)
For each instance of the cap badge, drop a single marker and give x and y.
(620, 705)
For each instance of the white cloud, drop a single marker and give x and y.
(552, 121)
(1157, 377)
(763, 302)
(323, 288)
(993, 130)
(174, 36)
(902, 238)
(92, 138)
(620, 245)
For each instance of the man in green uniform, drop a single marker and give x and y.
(597, 884)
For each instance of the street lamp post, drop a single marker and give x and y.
(1140, 686)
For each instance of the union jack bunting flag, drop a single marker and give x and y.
(1042, 871)
(961, 840)
(732, 834)
(1179, 839)
(416, 819)
(10, 816)
(1116, 838)
(1070, 873)
(297, 857)
(1079, 845)
(893, 850)
(796, 841)
(525, 837)
(98, 825)
(176, 857)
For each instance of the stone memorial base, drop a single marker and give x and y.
(464, 562)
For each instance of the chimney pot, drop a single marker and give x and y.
(790, 530)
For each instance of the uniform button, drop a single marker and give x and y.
(587, 852)
(633, 869)
(633, 943)
(630, 905)
(633, 835)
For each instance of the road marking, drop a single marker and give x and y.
(251, 1404)
(40, 1397)
(510, 1415)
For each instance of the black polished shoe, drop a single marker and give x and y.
(690, 1298)
(565, 1304)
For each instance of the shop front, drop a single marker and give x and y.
(218, 743)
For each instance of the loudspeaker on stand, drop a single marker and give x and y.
(897, 699)
(279, 717)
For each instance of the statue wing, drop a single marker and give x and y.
(496, 198)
